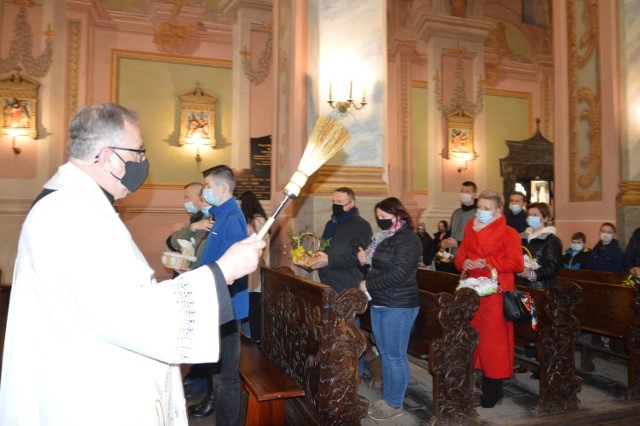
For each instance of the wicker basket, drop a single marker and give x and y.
(444, 254)
(484, 286)
(177, 260)
(308, 244)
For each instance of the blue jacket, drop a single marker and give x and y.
(230, 227)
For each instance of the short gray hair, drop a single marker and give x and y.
(490, 194)
(95, 127)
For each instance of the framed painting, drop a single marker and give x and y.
(19, 98)
(460, 136)
(197, 117)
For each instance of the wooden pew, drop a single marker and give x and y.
(309, 333)
(556, 335)
(613, 310)
(266, 385)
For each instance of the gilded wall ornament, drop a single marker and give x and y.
(20, 56)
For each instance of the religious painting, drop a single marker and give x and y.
(197, 117)
(460, 136)
(18, 100)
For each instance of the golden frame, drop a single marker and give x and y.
(19, 97)
(460, 136)
(197, 117)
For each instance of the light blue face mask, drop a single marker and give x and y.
(534, 222)
(190, 208)
(210, 197)
(484, 216)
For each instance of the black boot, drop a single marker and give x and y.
(206, 407)
(491, 392)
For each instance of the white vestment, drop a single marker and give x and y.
(91, 337)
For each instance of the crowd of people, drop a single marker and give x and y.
(197, 317)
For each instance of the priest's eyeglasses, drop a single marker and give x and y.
(140, 152)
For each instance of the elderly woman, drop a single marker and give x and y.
(393, 256)
(489, 243)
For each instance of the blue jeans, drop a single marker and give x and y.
(391, 329)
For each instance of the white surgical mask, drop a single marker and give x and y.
(606, 237)
(466, 198)
(190, 208)
(515, 208)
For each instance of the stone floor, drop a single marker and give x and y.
(602, 392)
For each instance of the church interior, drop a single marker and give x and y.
(541, 96)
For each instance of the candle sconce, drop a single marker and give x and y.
(343, 106)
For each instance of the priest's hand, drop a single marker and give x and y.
(241, 259)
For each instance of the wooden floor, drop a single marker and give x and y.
(602, 395)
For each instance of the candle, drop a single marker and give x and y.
(364, 93)
(329, 89)
(350, 89)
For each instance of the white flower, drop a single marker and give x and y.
(530, 262)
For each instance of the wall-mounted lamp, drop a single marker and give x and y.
(343, 106)
(13, 133)
(466, 157)
(197, 141)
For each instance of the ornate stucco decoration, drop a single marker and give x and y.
(459, 111)
(585, 119)
(20, 56)
(258, 75)
(459, 102)
(172, 37)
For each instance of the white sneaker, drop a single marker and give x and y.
(385, 412)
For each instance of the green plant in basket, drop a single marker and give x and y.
(304, 244)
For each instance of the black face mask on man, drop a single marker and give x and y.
(338, 210)
(134, 173)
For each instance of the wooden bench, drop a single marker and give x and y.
(613, 310)
(556, 335)
(266, 385)
(310, 334)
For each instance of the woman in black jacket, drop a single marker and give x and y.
(543, 264)
(393, 257)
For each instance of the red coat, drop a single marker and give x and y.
(499, 244)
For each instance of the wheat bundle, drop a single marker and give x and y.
(327, 138)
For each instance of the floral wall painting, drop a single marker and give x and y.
(18, 100)
(197, 117)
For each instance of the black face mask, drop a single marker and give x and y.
(385, 224)
(338, 210)
(134, 173)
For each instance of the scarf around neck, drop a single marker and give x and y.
(380, 236)
(330, 229)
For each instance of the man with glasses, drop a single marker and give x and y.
(91, 336)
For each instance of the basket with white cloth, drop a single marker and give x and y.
(484, 286)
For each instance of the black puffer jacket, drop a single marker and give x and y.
(546, 249)
(392, 278)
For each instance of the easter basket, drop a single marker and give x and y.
(174, 260)
(180, 261)
(530, 261)
(304, 245)
(444, 254)
(484, 286)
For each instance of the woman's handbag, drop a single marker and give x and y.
(484, 286)
(519, 307)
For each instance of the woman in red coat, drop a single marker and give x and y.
(489, 242)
